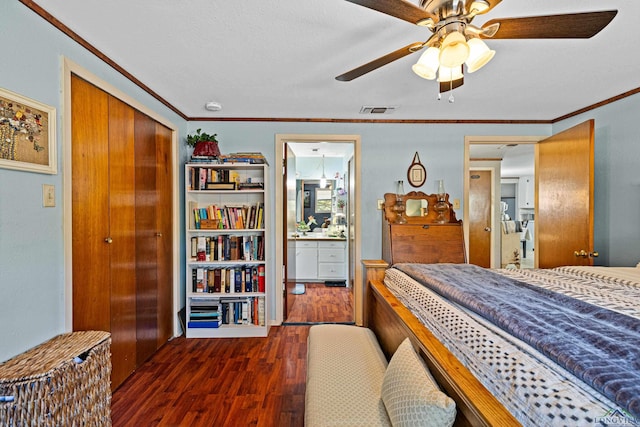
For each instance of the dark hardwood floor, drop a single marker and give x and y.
(219, 382)
(231, 381)
(322, 303)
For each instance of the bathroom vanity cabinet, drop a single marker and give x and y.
(319, 258)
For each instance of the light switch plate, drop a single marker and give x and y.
(48, 195)
(456, 203)
(380, 204)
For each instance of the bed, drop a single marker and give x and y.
(530, 375)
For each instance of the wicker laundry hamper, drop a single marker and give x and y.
(62, 382)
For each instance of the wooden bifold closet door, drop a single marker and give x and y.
(121, 208)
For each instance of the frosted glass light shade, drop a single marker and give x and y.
(479, 54)
(454, 50)
(447, 74)
(427, 65)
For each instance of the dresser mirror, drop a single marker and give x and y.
(417, 207)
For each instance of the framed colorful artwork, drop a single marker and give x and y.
(27, 134)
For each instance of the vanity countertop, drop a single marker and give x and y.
(315, 236)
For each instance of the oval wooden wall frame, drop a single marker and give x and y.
(416, 174)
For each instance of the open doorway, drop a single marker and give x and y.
(507, 230)
(560, 192)
(318, 227)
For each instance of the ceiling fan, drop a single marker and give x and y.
(455, 41)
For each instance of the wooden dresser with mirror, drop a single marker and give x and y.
(427, 236)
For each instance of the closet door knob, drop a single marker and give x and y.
(487, 229)
(158, 234)
(108, 240)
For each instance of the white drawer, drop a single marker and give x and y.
(332, 270)
(330, 255)
(308, 244)
(332, 244)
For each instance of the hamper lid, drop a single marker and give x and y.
(40, 360)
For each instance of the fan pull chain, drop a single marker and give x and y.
(451, 98)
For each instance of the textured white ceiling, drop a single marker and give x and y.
(279, 59)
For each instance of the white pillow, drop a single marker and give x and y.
(411, 395)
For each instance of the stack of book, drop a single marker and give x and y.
(204, 159)
(204, 313)
(244, 157)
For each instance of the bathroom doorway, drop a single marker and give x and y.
(317, 226)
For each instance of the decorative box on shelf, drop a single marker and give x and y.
(209, 224)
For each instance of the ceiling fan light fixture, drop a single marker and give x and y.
(454, 50)
(479, 54)
(427, 65)
(447, 74)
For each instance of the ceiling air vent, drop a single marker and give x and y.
(377, 110)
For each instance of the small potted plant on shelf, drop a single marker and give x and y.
(203, 144)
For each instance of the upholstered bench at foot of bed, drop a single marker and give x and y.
(349, 383)
(345, 371)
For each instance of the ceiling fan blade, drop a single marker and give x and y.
(377, 63)
(568, 26)
(401, 9)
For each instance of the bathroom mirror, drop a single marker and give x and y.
(416, 207)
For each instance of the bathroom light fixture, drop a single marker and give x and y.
(323, 178)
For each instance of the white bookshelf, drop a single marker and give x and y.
(217, 304)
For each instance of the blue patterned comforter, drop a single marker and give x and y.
(600, 346)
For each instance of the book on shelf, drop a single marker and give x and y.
(261, 278)
(248, 284)
(261, 317)
(217, 274)
(204, 315)
(238, 286)
(203, 324)
(200, 284)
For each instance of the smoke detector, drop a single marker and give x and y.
(213, 106)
